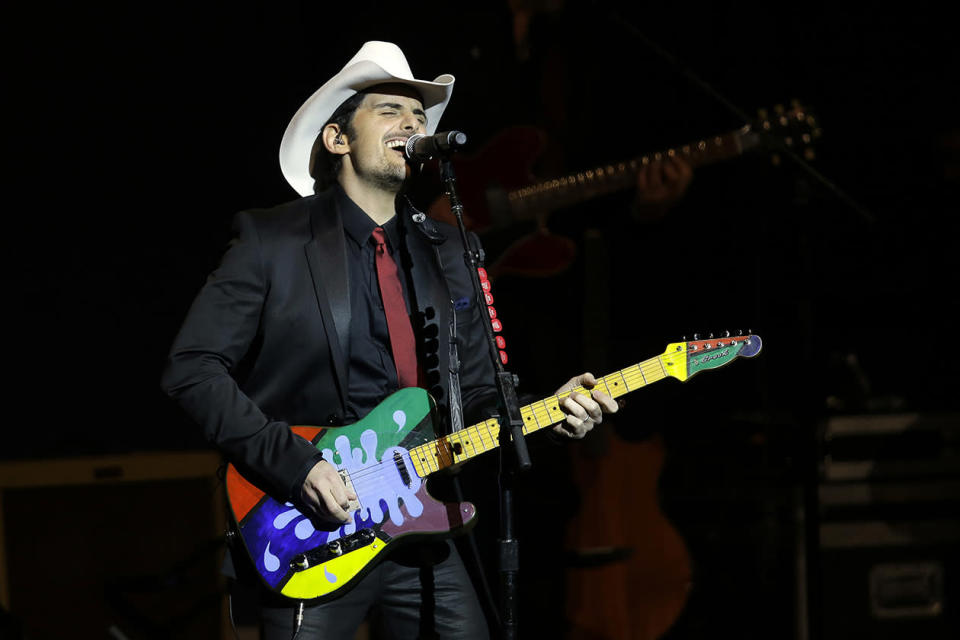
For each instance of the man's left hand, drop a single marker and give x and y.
(583, 411)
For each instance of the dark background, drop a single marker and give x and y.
(138, 131)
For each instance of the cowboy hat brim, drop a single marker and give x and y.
(307, 123)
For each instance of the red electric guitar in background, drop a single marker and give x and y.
(498, 189)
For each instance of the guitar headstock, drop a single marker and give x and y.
(794, 127)
(682, 360)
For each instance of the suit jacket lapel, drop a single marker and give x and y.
(327, 259)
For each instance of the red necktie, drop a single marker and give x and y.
(398, 322)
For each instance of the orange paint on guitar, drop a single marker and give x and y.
(244, 495)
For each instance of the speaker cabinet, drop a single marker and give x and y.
(888, 564)
(121, 546)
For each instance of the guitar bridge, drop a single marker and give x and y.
(346, 544)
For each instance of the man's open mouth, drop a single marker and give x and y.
(397, 144)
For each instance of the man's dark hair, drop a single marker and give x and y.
(324, 166)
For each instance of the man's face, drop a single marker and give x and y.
(381, 125)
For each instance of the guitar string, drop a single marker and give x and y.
(446, 456)
(652, 366)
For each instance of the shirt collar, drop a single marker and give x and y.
(359, 226)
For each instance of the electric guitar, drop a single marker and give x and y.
(498, 190)
(387, 458)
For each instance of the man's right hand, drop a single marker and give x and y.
(325, 492)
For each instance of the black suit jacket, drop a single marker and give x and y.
(265, 344)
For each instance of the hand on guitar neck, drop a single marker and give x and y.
(583, 412)
(660, 185)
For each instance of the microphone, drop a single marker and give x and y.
(420, 147)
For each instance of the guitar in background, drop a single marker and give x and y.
(502, 199)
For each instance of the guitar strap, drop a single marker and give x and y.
(431, 232)
(456, 403)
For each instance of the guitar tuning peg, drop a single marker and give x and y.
(726, 334)
(809, 154)
(778, 109)
(775, 159)
(683, 339)
(711, 335)
(739, 332)
(762, 113)
(696, 336)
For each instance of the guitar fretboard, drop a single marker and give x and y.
(485, 436)
(584, 185)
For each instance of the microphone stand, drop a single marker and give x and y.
(511, 424)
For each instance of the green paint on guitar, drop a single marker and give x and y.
(712, 358)
(394, 421)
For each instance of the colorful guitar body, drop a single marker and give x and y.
(387, 457)
(304, 559)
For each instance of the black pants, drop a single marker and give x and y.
(421, 591)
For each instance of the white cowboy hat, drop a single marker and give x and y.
(375, 63)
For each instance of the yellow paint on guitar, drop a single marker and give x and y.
(675, 360)
(313, 583)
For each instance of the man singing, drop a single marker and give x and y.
(321, 308)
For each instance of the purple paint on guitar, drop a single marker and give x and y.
(752, 347)
(273, 532)
(437, 517)
(273, 537)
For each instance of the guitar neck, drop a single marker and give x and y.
(485, 436)
(584, 185)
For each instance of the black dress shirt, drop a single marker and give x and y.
(372, 373)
